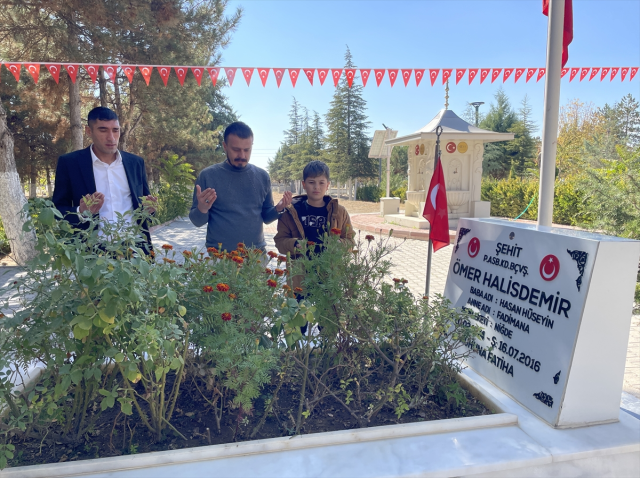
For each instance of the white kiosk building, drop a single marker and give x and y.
(462, 147)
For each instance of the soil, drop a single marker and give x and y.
(115, 434)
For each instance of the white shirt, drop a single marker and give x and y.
(111, 180)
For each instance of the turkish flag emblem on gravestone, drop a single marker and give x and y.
(460, 74)
(279, 73)
(197, 73)
(495, 74)
(181, 73)
(54, 70)
(549, 267)
(474, 247)
(530, 73)
(419, 74)
(129, 72)
(472, 74)
(435, 210)
(72, 71)
(365, 76)
(309, 74)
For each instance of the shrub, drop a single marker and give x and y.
(4, 242)
(175, 190)
(370, 193)
(401, 193)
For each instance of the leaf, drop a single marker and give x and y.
(125, 406)
(175, 364)
(46, 217)
(76, 376)
(182, 310)
(104, 393)
(111, 309)
(172, 296)
(105, 317)
(158, 372)
(119, 357)
(79, 333)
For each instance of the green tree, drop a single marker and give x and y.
(346, 121)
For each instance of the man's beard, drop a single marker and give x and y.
(237, 167)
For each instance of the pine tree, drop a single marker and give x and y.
(347, 141)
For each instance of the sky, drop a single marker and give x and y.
(418, 34)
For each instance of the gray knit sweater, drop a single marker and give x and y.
(244, 202)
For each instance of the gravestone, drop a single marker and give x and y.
(555, 310)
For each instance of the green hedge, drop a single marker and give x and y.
(370, 193)
(4, 242)
(510, 197)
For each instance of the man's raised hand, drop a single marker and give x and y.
(91, 202)
(285, 201)
(205, 198)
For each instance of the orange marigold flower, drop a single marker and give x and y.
(1, 316)
(286, 287)
(311, 243)
(168, 261)
(152, 253)
(336, 231)
(257, 251)
(214, 273)
(187, 253)
(268, 271)
(272, 283)
(234, 253)
(240, 246)
(167, 247)
(396, 280)
(238, 260)
(232, 296)
(298, 289)
(278, 272)
(286, 271)
(282, 258)
(404, 281)
(226, 316)
(369, 237)
(212, 250)
(425, 297)
(207, 288)
(272, 254)
(222, 287)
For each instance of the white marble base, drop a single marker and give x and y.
(512, 443)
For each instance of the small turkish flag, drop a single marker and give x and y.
(34, 70)
(472, 74)
(418, 74)
(309, 73)
(530, 73)
(446, 73)
(293, 74)
(459, 74)
(336, 74)
(93, 72)
(247, 73)
(583, 73)
(567, 33)
(197, 73)
(541, 73)
(54, 70)
(279, 73)
(406, 76)
(614, 72)
(146, 73)
(564, 72)
(213, 74)
(634, 70)
(72, 71)
(379, 76)
(322, 75)
(623, 72)
(263, 73)
(574, 72)
(393, 74)
(433, 74)
(14, 68)
(484, 72)
(351, 74)
(365, 76)
(495, 74)
(435, 210)
(519, 73)
(181, 73)
(164, 72)
(231, 75)
(594, 72)
(111, 71)
(129, 71)
(506, 74)
(605, 72)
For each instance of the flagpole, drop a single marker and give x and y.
(551, 110)
(430, 244)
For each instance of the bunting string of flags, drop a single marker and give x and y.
(322, 73)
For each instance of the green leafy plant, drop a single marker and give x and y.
(175, 189)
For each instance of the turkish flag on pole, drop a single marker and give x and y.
(435, 210)
(567, 35)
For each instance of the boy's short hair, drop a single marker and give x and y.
(315, 169)
(240, 129)
(101, 114)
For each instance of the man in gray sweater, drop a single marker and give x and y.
(234, 197)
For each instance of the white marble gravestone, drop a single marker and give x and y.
(555, 308)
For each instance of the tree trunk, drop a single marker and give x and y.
(102, 83)
(33, 182)
(12, 198)
(49, 185)
(75, 104)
